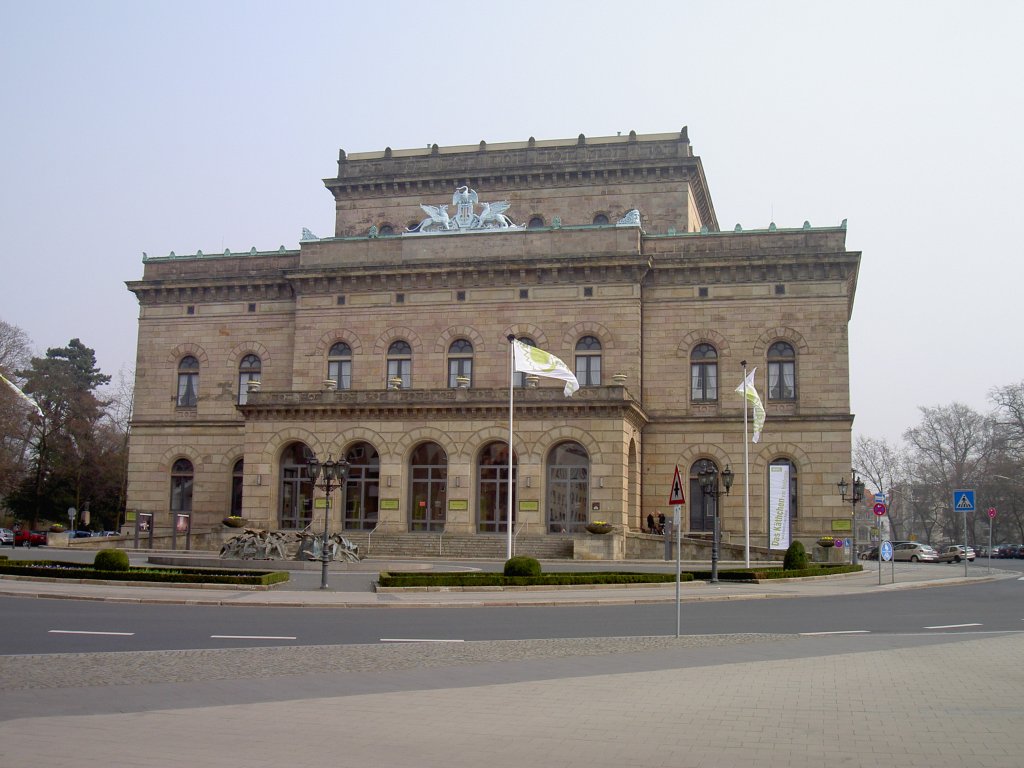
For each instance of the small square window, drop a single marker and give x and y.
(341, 301)
(524, 293)
(702, 292)
(252, 307)
(780, 290)
(460, 295)
(588, 291)
(190, 309)
(399, 298)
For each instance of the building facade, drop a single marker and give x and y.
(387, 345)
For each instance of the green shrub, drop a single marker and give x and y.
(111, 560)
(520, 565)
(796, 558)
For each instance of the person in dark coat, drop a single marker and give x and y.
(650, 522)
(661, 523)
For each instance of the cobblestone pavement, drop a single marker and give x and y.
(761, 701)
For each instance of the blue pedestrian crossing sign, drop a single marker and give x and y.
(963, 501)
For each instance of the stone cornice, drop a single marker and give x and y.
(444, 404)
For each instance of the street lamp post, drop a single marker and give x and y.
(327, 476)
(856, 494)
(708, 480)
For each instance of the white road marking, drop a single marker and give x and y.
(252, 637)
(953, 626)
(840, 632)
(417, 640)
(85, 632)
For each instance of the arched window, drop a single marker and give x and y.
(428, 491)
(492, 488)
(237, 473)
(339, 365)
(400, 364)
(702, 506)
(188, 382)
(295, 506)
(520, 377)
(386, 230)
(600, 219)
(362, 489)
(181, 486)
(460, 362)
(781, 371)
(588, 362)
(703, 373)
(248, 370)
(535, 222)
(784, 472)
(568, 495)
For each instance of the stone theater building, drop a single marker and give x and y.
(387, 344)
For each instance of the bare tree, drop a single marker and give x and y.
(952, 447)
(1009, 402)
(884, 466)
(15, 415)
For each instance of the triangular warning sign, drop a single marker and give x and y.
(676, 497)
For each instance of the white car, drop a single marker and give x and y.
(955, 553)
(914, 552)
(6, 536)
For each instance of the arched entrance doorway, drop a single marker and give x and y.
(428, 491)
(362, 489)
(568, 493)
(295, 507)
(492, 488)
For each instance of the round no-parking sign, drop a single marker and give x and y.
(991, 513)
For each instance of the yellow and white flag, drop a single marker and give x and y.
(755, 402)
(22, 395)
(529, 359)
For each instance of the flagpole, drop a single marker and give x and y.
(511, 390)
(746, 472)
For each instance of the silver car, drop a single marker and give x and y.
(914, 552)
(6, 536)
(955, 553)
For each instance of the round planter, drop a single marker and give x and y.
(826, 543)
(234, 522)
(599, 528)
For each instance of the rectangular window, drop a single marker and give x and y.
(524, 293)
(252, 307)
(341, 301)
(460, 295)
(399, 298)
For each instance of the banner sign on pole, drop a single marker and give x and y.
(778, 506)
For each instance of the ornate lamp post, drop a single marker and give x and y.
(327, 476)
(856, 494)
(708, 480)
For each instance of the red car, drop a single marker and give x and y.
(24, 538)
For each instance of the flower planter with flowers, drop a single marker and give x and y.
(234, 521)
(599, 527)
(827, 541)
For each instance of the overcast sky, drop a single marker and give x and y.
(159, 126)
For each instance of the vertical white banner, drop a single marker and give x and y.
(778, 506)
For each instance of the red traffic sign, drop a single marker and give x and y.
(991, 513)
(676, 496)
(879, 509)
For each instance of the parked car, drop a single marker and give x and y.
(914, 552)
(954, 553)
(869, 554)
(6, 536)
(26, 538)
(81, 534)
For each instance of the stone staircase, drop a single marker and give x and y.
(459, 546)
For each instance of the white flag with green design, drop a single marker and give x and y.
(755, 403)
(529, 359)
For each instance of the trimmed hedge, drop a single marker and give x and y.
(55, 569)
(419, 579)
(415, 579)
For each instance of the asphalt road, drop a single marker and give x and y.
(75, 626)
